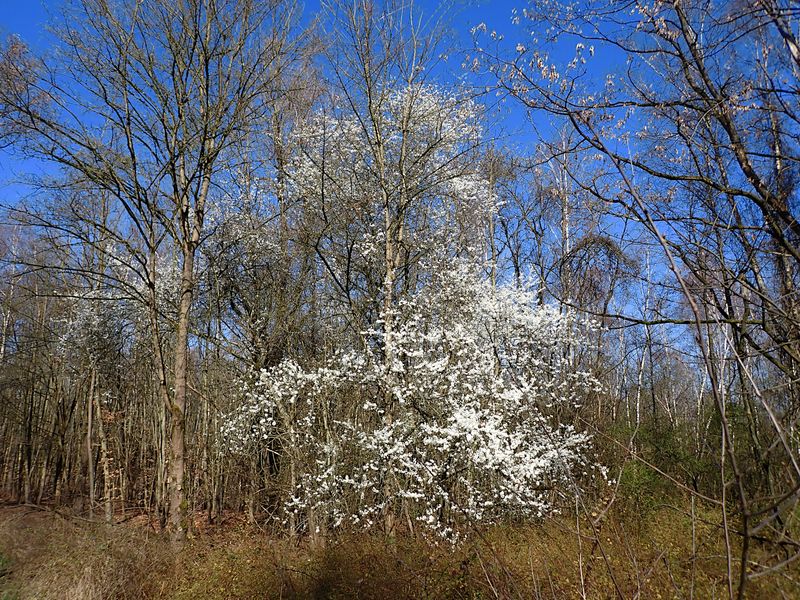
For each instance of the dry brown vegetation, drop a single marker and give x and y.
(50, 555)
(46, 554)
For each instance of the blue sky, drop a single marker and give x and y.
(28, 19)
(510, 125)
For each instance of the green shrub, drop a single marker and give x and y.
(641, 487)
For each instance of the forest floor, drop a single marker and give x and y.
(660, 553)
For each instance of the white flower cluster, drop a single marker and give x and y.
(92, 324)
(454, 429)
(426, 135)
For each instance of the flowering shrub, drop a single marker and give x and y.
(455, 429)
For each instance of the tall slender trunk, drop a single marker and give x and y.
(105, 461)
(178, 507)
(89, 453)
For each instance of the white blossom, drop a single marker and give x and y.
(458, 430)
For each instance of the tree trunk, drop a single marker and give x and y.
(178, 513)
(89, 457)
(105, 460)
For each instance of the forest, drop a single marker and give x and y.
(376, 299)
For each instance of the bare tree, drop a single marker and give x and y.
(147, 103)
(696, 141)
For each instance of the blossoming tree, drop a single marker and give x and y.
(475, 372)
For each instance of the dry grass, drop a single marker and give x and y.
(49, 556)
(58, 557)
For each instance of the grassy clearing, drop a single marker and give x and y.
(51, 556)
(658, 555)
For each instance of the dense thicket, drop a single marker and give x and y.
(306, 277)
